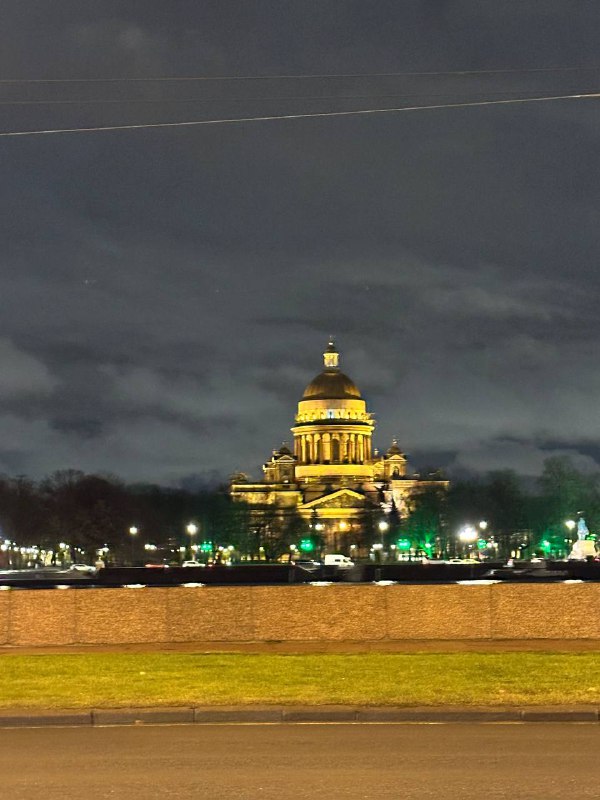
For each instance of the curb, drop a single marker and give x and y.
(218, 715)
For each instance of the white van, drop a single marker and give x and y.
(338, 560)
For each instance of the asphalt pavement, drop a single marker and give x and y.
(541, 761)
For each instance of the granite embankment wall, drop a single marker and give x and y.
(339, 612)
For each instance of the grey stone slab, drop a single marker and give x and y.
(35, 719)
(319, 714)
(216, 714)
(295, 714)
(141, 716)
(427, 714)
(560, 714)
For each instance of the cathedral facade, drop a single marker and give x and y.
(334, 477)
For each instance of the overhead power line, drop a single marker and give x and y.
(363, 112)
(307, 76)
(256, 98)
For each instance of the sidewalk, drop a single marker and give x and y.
(300, 647)
(220, 715)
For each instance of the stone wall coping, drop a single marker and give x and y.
(263, 714)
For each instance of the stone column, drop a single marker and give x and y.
(326, 451)
(344, 447)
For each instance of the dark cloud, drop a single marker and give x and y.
(167, 293)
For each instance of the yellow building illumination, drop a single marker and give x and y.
(334, 477)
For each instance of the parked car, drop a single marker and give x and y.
(193, 564)
(83, 568)
(338, 560)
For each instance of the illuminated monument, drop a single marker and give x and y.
(334, 477)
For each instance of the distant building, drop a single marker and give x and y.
(334, 477)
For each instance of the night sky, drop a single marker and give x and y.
(167, 294)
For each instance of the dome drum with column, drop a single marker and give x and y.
(333, 430)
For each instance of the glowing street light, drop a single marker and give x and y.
(383, 527)
(133, 532)
(191, 529)
(468, 535)
(571, 524)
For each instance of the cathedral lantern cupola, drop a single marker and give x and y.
(333, 430)
(331, 356)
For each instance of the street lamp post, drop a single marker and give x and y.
(570, 525)
(133, 532)
(191, 529)
(318, 538)
(383, 527)
(483, 526)
(467, 535)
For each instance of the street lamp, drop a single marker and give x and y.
(570, 525)
(383, 527)
(467, 535)
(133, 532)
(191, 529)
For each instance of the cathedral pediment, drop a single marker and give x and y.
(342, 498)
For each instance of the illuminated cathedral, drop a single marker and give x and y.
(334, 476)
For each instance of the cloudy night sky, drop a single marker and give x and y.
(168, 293)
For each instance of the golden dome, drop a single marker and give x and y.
(331, 383)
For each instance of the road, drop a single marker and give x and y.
(344, 762)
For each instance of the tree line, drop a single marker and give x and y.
(87, 512)
(527, 518)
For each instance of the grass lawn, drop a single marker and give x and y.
(112, 680)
